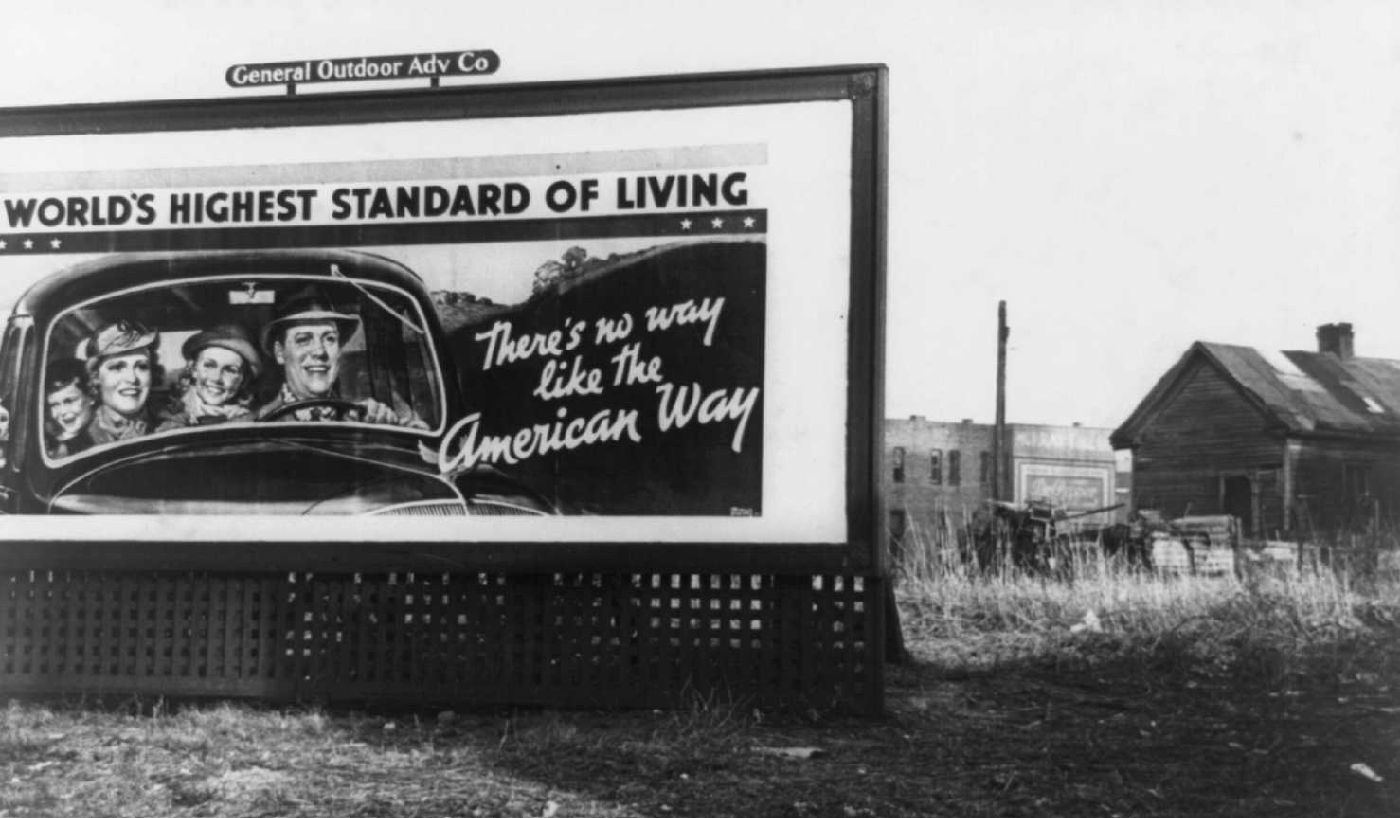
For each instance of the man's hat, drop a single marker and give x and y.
(309, 306)
(117, 338)
(230, 337)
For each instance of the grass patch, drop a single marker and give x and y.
(1262, 630)
(1190, 696)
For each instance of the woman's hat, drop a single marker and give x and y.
(227, 336)
(309, 306)
(117, 338)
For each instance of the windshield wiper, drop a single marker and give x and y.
(403, 319)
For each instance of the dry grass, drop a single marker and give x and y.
(1291, 610)
(142, 759)
(1192, 697)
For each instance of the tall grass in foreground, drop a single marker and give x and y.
(1271, 630)
(950, 595)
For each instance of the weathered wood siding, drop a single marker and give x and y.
(1330, 499)
(1204, 430)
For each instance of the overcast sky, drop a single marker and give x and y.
(1129, 177)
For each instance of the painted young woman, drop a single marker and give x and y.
(121, 366)
(221, 367)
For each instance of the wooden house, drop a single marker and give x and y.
(1287, 442)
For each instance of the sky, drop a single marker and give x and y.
(1129, 177)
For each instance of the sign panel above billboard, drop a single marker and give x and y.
(430, 66)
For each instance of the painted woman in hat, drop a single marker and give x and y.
(120, 360)
(220, 368)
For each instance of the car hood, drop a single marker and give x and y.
(265, 477)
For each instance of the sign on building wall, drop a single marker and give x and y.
(1072, 488)
(596, 320)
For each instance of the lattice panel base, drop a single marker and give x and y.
(612, 640)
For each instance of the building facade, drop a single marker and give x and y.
(1290, 443)
(938, 474)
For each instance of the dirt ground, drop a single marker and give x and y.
(1108, 734)
(988, 725)
(980, 727)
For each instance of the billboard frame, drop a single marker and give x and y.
(864, 86)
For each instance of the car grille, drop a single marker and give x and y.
(500, 508)
(451, 508)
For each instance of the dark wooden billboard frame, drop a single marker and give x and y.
(824, 604)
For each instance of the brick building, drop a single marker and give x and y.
(937, 474)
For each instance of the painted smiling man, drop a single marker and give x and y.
(306, 339)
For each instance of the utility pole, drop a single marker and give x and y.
(999, 431)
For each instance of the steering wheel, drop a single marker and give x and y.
(344, 408)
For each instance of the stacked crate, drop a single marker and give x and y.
(1202, 544)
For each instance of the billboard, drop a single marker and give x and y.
(565, 315)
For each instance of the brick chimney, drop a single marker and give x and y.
(1337, 339)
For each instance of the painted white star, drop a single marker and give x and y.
(56, 243)
(686, 223)
(717, 222)
(29, 244)
(749, 221)
(4, 244)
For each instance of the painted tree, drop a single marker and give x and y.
(571, 265)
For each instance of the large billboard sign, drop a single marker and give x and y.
(467, 323)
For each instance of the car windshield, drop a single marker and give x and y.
(180, 357)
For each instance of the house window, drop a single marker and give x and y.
(899, 523)
(1356, 479)
(984, 468)
(935, 467)
(954, 467)
(898, 464)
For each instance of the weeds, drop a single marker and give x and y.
(1263, 630)
(710, 714)
(951, 593)
(1185, 695)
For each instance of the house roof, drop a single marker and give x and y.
(1304, 393)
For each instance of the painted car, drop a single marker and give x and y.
(326, 456)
